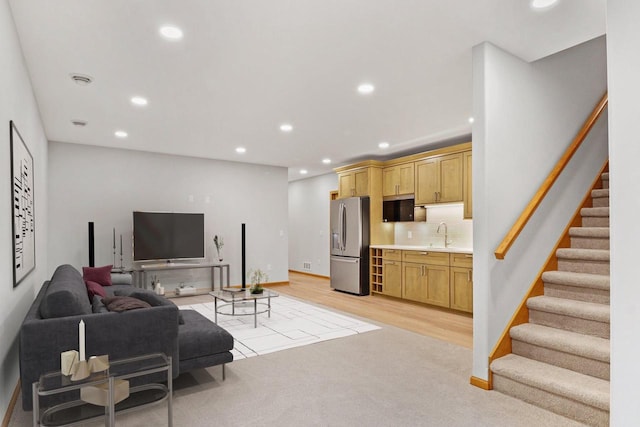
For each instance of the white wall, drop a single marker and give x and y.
(309, 223)
(623, 71)
(17, 104)
(526, 114)
(106, 185)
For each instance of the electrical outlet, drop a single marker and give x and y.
(409, 235)
(306, 265)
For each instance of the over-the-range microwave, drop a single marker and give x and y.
(399, 208)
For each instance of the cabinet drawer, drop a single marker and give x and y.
(392, 254)
(426, 257)
(461, 260)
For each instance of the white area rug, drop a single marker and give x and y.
(292, 324)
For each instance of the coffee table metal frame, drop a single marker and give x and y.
(233, 297)
(119, 369)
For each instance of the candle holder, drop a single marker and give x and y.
(80, 370)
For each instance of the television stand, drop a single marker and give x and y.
(141, 271)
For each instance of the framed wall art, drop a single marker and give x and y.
(22, 202)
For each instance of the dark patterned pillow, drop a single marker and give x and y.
(121, 303)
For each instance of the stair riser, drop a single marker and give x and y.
(605, 183)
(589, 243)
(583, 365)
(595, 221)
(568, 323)
(576, 293)
(580, 266)
(552, 402)
(600, 202)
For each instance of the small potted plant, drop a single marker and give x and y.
(257, 277)
(219, 242)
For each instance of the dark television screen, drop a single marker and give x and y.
(162, 235)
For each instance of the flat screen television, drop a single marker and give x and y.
(167, 236)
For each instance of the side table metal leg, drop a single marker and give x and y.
(215, 308)
(36, 404)
(220, 277)
(170, 397)
(269, 306)
(228, 279)
(255, 313)
(111, 421)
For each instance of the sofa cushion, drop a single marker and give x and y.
(199, 336)
(100, 275)
(121, 303)
(97, 306)
(66, 294)
(94, 288)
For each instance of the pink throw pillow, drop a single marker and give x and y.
(93, 289)
(101, 275)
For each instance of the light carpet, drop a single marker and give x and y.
(292, 324)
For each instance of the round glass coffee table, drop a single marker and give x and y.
(239, 302)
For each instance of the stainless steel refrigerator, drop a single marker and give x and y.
(349, 267)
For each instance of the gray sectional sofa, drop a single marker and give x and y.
(51, 327)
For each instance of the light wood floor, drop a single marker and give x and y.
(443, 324)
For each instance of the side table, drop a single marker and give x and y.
(77, 411)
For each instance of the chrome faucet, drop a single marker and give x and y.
(447, 242)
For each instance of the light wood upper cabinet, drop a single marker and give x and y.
(439, 179)
(468, 180)
(353, 183)
(398, 180)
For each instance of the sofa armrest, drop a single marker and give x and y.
(119, 335)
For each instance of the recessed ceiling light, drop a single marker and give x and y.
(326, 161)
(81, 79)
(121, 134)
(366, 88)
(241, 150)
(286, 127)
(542, 4)
(303, 172)
(170, 32)
(79, 123)
(471, 120)
(138, 100)
(383, 145)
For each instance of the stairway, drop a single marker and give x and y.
(560, 359)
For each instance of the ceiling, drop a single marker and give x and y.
(244, 67)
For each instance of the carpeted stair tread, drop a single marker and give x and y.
(584, 254)
(566, 307)
(582, 345)
(597, 232)
(599, 212)
(583, 280)
(600, 192)
(605, 175)
(558, 381)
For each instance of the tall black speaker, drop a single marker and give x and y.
(92, 260)
(244, 260)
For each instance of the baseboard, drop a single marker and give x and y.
(306, 273)
(480, 383)
(12, 405)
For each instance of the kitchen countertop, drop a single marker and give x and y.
(453, 249)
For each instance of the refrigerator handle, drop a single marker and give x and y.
(340, 226)
(344, 226)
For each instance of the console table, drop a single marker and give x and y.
(142, 270)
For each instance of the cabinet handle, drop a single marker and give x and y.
(468, 256)
(468, 275)
(435, 195)
(424, 270)
(424, 253)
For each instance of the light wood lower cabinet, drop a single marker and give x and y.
(436, 278)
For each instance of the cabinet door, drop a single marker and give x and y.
(345, 185)
(390, 180)
(450, 179)
(414, 282)
(462, 289)
(427, 181)
(392, 281)
(361, 184)
(406, 178)
(437, 285)
(468, 179)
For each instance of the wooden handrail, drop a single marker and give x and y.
(517, 228)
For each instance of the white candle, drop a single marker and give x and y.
(81, 335)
